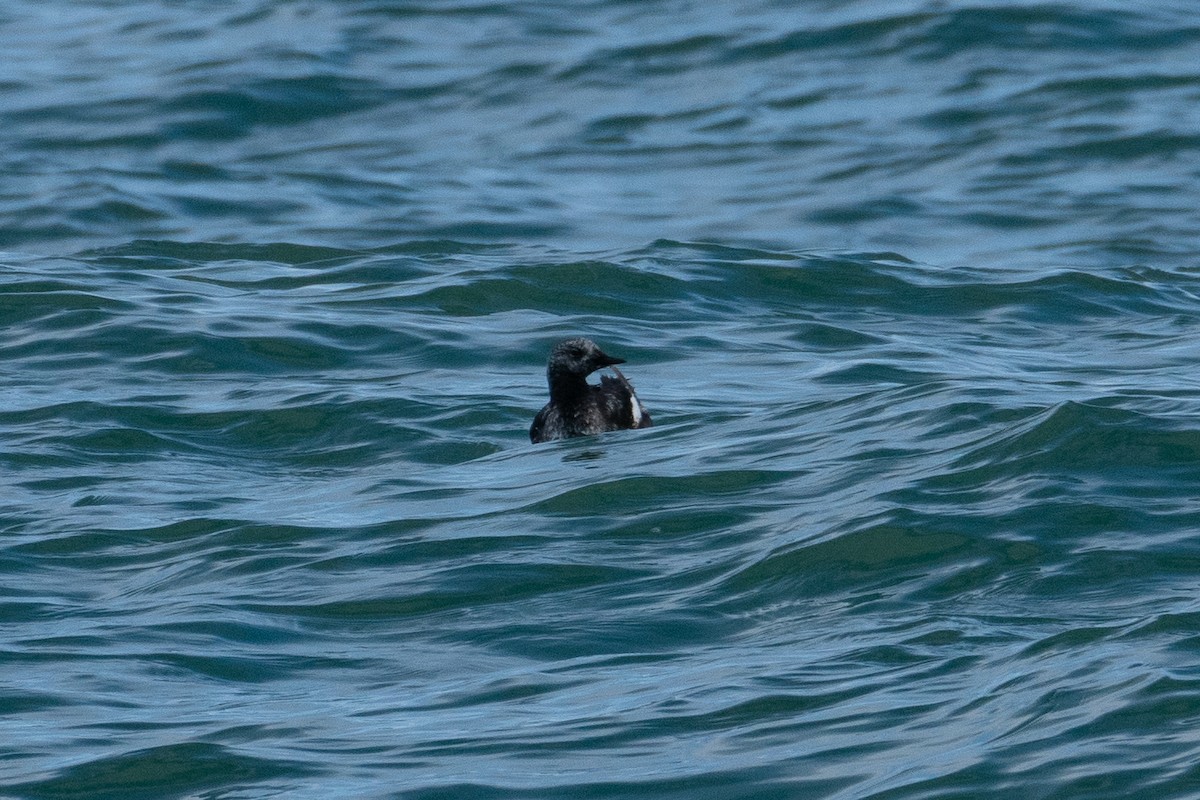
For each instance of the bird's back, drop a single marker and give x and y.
(621, 407)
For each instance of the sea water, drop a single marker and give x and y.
(909, 288)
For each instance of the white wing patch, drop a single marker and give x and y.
(635, 408)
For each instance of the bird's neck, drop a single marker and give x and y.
(566, 386)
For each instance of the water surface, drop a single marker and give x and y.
(909, 289)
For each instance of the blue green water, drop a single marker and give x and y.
(909, 288)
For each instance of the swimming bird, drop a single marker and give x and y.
(579, 408)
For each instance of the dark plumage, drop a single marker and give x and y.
(579, 408)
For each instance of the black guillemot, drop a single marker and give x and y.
(579, 408)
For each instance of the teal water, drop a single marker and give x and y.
(909, 289)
